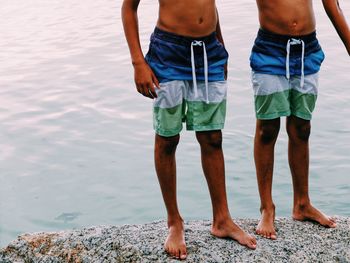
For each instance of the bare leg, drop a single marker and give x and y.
(298, 151)
(214, 170)
(264, 145)
(164, 155)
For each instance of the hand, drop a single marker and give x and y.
(145, 80)
(225, 71)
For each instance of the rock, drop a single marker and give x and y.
(297, 242)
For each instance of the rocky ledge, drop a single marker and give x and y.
(297, 242)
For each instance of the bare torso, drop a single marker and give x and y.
(187, 17)
(287, 17)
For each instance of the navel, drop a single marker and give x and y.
(200, 20)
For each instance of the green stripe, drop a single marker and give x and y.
(199, 116)
(302, 104)
(202, 116)
(273, 105)
(285, 103)
(168, 122)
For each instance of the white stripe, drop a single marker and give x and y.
(310, 85)
(266, 84)
(173, 93)
(213, 92)
(170, 94)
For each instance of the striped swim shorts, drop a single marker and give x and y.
(192, 84)
(285, 74)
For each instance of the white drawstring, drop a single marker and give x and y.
(205, 58)
(302, 80)
(291, 42)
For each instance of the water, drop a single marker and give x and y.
(76, 139)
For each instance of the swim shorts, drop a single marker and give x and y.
(192, 83)
(285, 74)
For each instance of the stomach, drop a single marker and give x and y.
(193, 18)
(287, 17)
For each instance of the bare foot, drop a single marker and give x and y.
(175, 242)
(308, 212)
(228, 229)
(266, 226)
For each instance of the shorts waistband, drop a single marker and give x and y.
(181, 40)
(283, 39)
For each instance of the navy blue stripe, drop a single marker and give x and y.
(181, 40)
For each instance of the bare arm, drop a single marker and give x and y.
(145, 79)
(337, 17)
(218, 29)
(221, 39)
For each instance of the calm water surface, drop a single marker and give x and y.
(76, 139)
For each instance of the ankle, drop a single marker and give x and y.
(270, 208)
(175, 221)
(221, 220)
(301, 204)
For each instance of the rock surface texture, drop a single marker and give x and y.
(297, 242)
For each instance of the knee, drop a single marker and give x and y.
(300, 132)
(167, 145)
(267, 133)
(212, 139)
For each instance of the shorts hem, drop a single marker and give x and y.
(273, 115)
(205, 127)
(303, 116)
(168, 133)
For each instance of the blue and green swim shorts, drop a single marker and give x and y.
(285, 74)
(192, 83)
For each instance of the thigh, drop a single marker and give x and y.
(168, 108)
(303, 99)
(207, 110)
(271, 96)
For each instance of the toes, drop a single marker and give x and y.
(332, 224)
(167, 249)
(259, 232)
(173, 253)
(269, 235)
(328, 222)
(251, 244)
(178, 252)
(253, 240)
(183, 253)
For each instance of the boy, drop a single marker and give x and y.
(184, 72)
(285, 61)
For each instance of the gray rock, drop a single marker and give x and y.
(297, 242)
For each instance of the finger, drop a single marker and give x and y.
(143, 90)
(152, 90)
(150, 94)
(146, 91)
(155, 81)
(138, 88)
